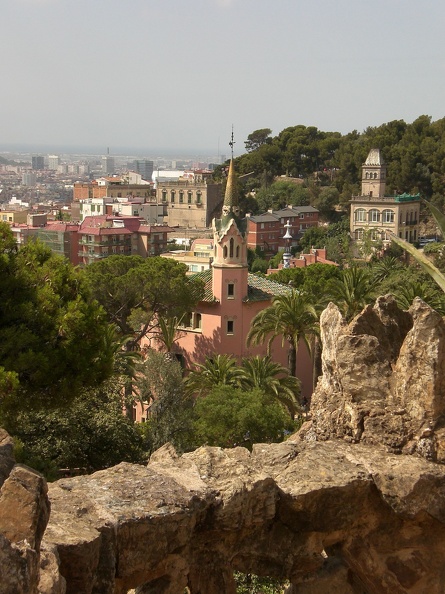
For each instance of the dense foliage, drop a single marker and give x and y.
(51, 333)
(136, 291)
(229, 416)
(328, 164)
(91, 434)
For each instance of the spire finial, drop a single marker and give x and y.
(232, 142)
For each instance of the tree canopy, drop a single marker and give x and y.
(230, 416)
(135, 291)
(414, 153)
(51, 333)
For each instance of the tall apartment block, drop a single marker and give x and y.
(38, 162)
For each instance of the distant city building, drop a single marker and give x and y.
(108, 165)
(192, 200)
(62, 238)
(266, 230)
(145, 168)
(53, 162)
(29, 178)
(198, 258)
(14, 217)
(374, 212)
(38, 162)
(107, 235)
(111, 187)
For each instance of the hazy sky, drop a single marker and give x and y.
(176, 74)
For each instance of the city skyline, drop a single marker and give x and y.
(172, 77)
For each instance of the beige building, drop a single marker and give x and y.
(374, 212)
(198, 259)
(14, 217)
(191, 201)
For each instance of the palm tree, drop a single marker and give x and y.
(352, 291)
(125, 364)
(383, 268)
(219, 370)
(406, 294)
(273, 379)
(291, 316)
(167, 333)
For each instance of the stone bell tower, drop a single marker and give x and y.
(374, 175)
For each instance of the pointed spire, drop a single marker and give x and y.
(231, 195)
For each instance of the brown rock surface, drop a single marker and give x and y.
(383, 379)
(24, 512)
(316, 513)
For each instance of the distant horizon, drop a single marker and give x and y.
(97, 150)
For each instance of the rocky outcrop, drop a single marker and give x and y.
(319, 514)
(383, 379)
(24, 513)
(352, 504)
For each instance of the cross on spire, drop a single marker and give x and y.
(232, 142)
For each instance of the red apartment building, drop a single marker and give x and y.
(107, 235)
(266, 230)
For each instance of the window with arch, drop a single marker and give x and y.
(189, 197)
(225, 252)
(198, 197)
(388, 216)
(172, 196)
(375, 175)
(374, 215)
(237, 251)
(360, 215)
(358, 234)
(164, 195)
(231, 246)
(367, 175)
(181, 196)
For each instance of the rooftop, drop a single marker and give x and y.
(258, 288)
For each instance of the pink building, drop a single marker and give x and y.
(233, 296)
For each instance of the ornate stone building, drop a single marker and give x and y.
(374, 212)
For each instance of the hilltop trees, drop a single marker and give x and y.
(414, 153)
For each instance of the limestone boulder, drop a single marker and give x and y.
(311, 512)
(383, 379)
(24, 513)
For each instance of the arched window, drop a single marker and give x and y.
(231, 243)
(225, 252)
(181, 196)
(374, 215)
(360, 215)
(237, 251)
(358, 234)
(375, 175)
(388, 216)
(172, 196)
(367, 175)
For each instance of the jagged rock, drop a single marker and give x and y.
(383, 379)
(24, 512)
(319, 512)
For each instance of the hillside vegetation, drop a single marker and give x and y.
(414, 153)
